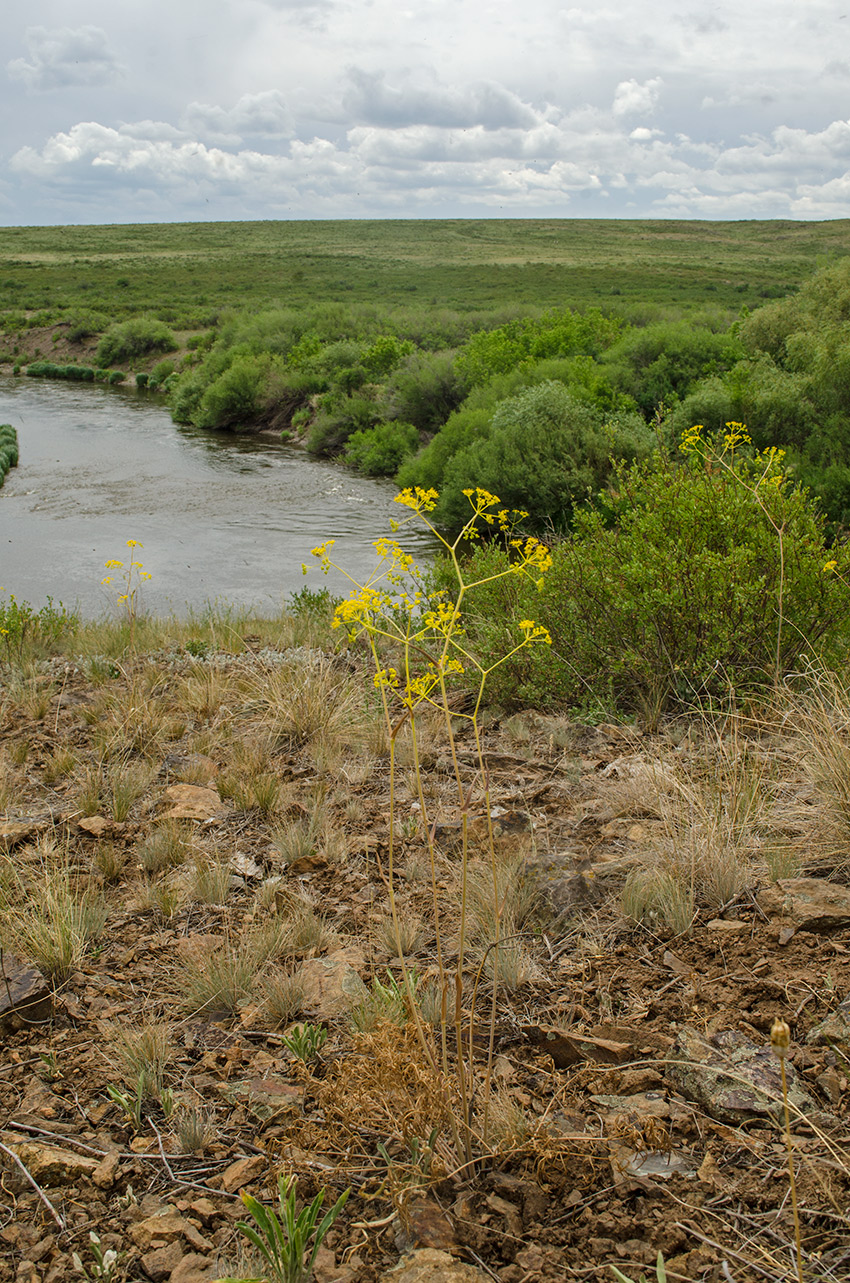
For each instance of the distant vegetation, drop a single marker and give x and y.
(521, 356)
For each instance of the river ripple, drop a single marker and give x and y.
(220, 517)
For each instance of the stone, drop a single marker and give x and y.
(96, 826)
(242, 1172)
(731, 1078)
(191, 802)
(159, 1263)
(729, 925)
(332, 985)
(25, 998)
(166, 1227)
(13, 832)
(106, 1172)
(194, 1268)
(807, 904)
(50, 1165)
(428, 1265)
(834, 1028)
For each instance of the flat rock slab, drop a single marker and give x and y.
(807, 904)
(191, 802)
(731, 1078)
(331, 984)
(13, 832)
(25, 998)
(50, 1165)
(428, 1265)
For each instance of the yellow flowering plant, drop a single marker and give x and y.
(394, 611)
(127, 584)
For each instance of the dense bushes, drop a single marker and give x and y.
(527, 340)
(50, 370)
(379, 451)
(8, 449)
(659, 364)
(681, 590)
(545, 452)
(127, 340)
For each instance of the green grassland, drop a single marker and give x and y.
(462, 264)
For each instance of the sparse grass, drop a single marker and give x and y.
(91, 793)
(19, 751)
(283, 995)
(821, 718)
(59, 765)
(110, 860)
(312, 701)
(307, 933)
(225, 978)
(195, 1127)
(210, 882)
(163, 898)
(404, 942)
(126, 783)
(44, 916)
(164, 847)
(297, 839)
(144, 1055)
(717, 826)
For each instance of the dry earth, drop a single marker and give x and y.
(616, 1133)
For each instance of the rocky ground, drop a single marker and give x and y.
(237, 854)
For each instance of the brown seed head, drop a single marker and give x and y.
(780, 1038)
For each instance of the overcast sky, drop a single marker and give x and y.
(117, 111)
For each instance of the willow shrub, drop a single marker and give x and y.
(691, 579)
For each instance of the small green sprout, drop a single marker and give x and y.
(286, 1241)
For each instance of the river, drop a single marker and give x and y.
(221, 517)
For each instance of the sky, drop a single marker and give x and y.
(184, 110)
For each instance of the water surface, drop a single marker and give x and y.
(220, 516)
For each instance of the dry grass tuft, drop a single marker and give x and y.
(385, 1084)
(164, 847)
(43, 915)
(405, 941)
(283, 995)
(143, 1056)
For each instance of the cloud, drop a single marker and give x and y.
(589, 155)
(60, 57)
(371, 101)
(633, 98)
(262, 115)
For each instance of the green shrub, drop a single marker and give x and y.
(428, 468)
(670, 592)
(379, 451)
(546, 452)
(141, 380)
(161, 371)
(8, 449)
(385, 354)
(126, 340)
(659, 364)
(557, 333)
(424, 390)
(234, 399)
(338, 420)
(84, 324)
(116, 376)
